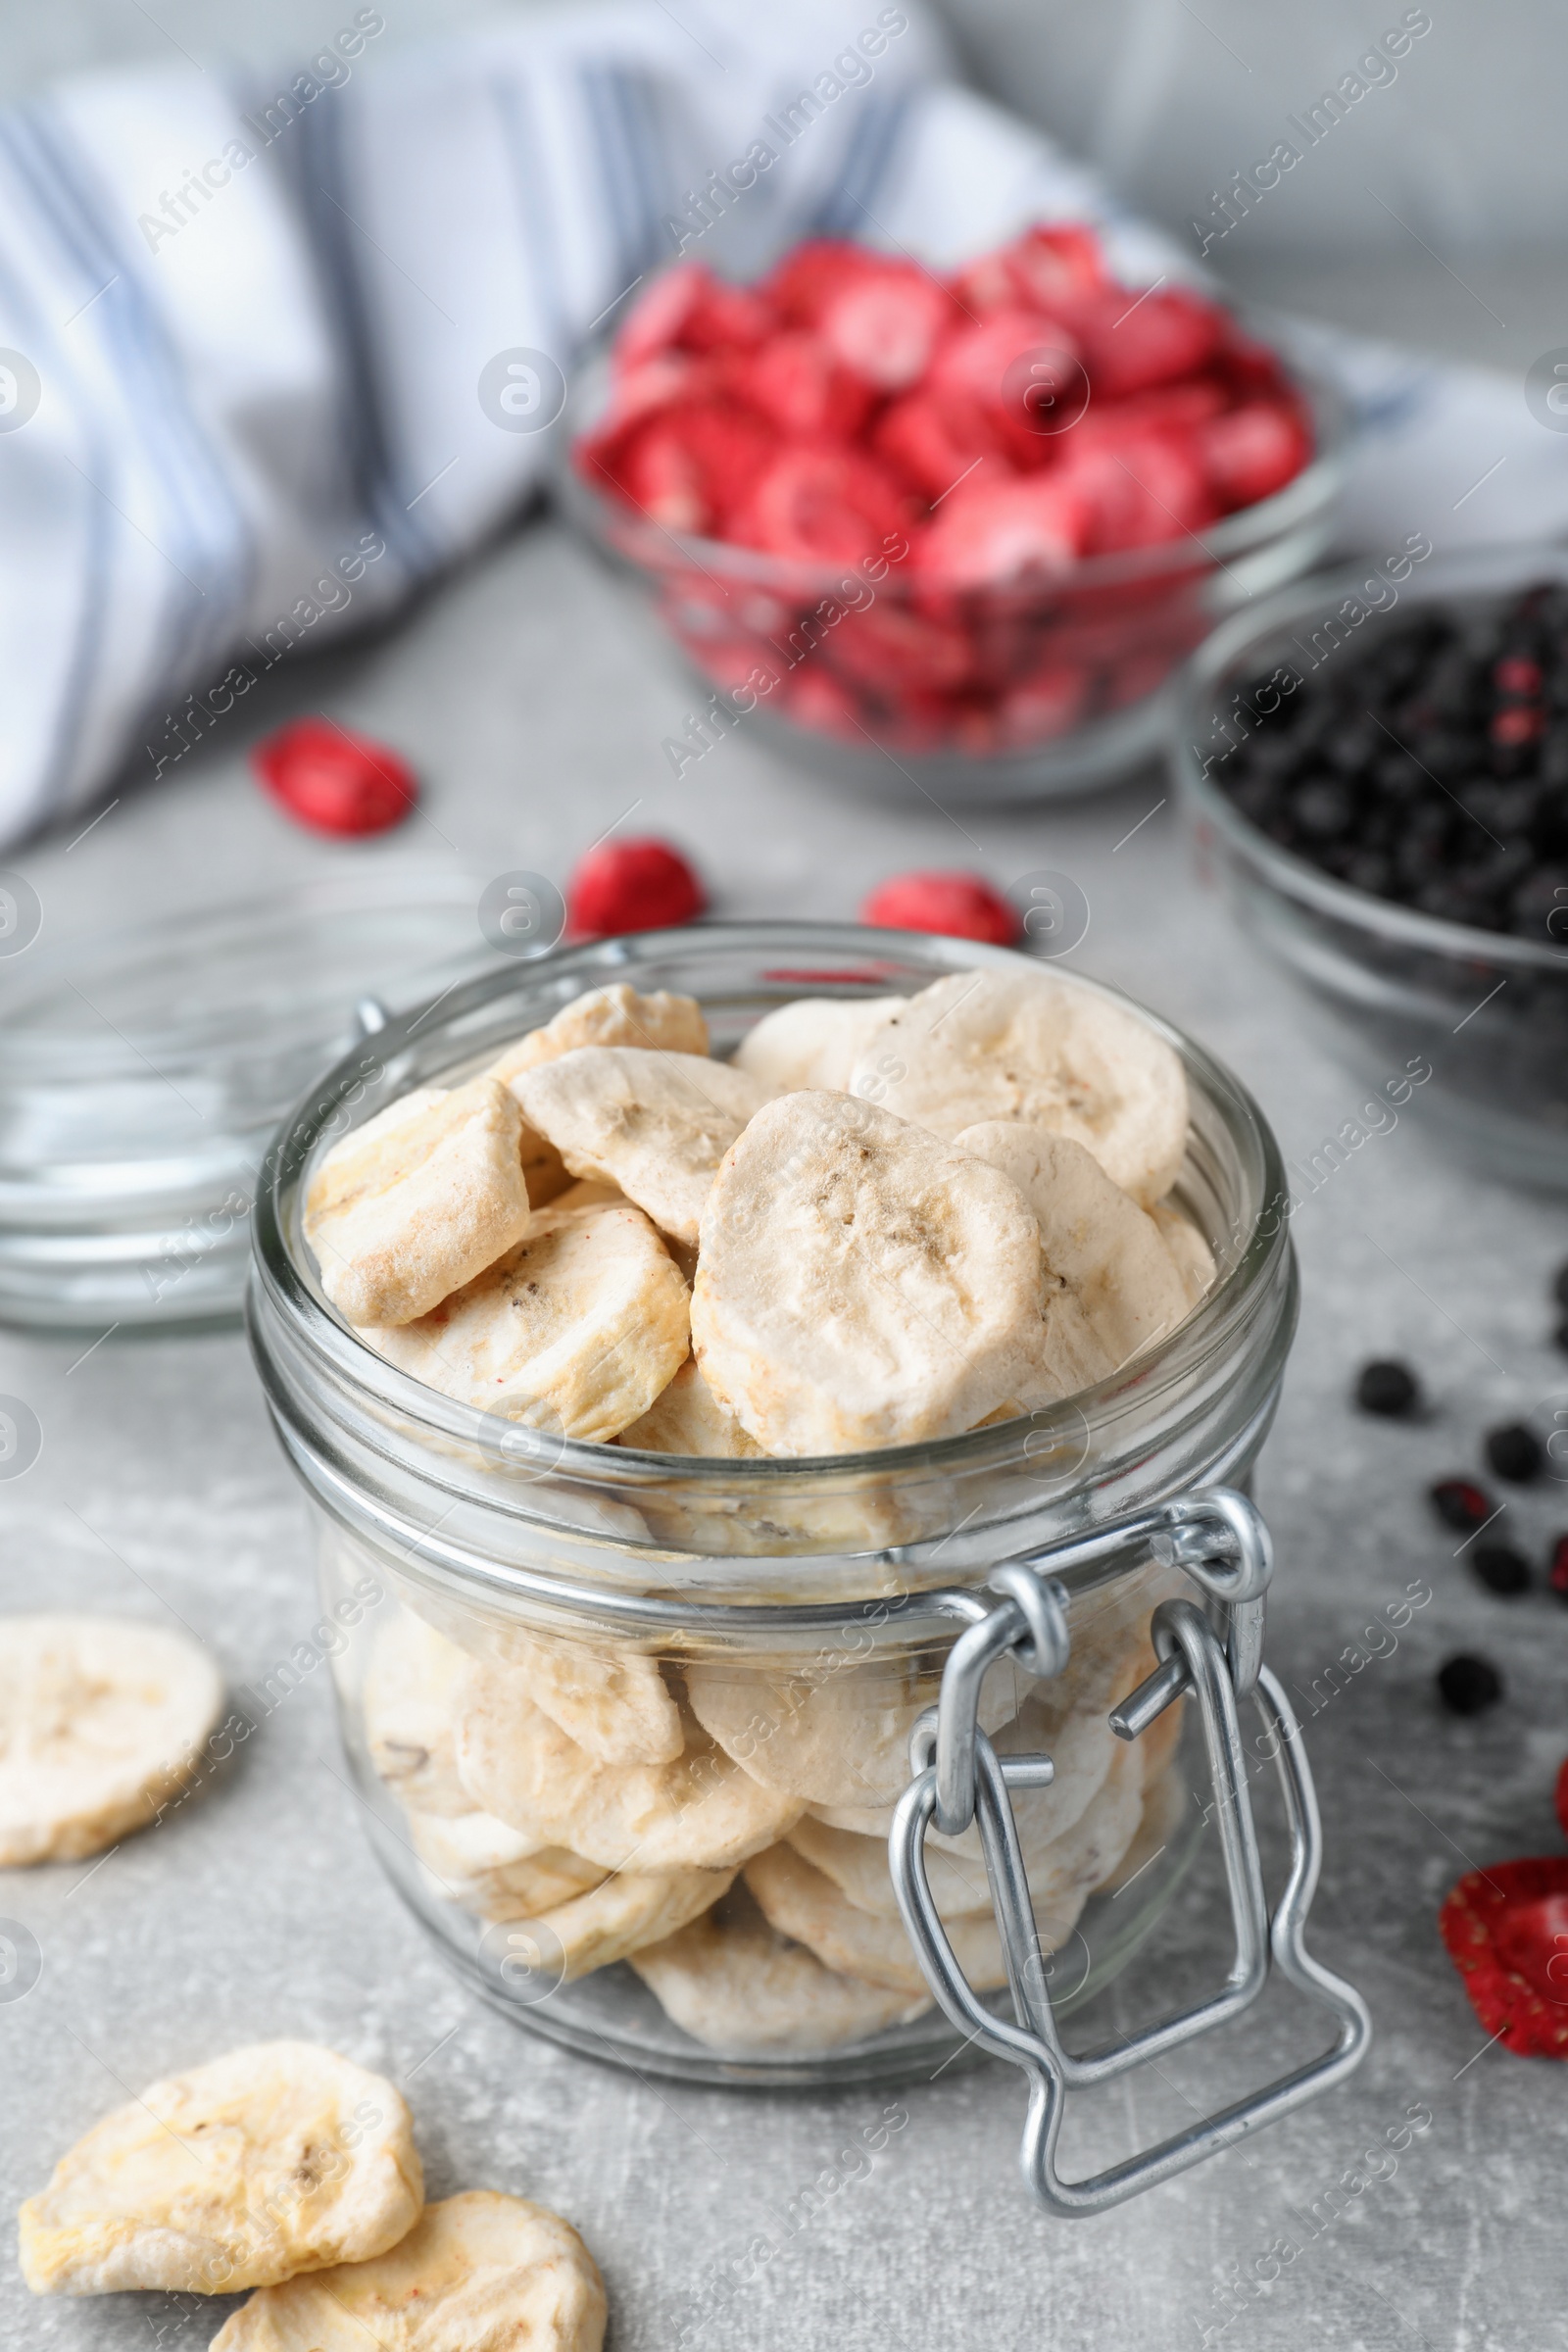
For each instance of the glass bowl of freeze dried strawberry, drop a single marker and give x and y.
(1377, 765)
(961, 529)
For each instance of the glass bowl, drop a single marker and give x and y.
(992, 695)
(1466, 1027)
(781, 1621)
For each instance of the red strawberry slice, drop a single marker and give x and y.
(631, 886)
(1171, 409)
(805, 280)
(1050, 269)
(1506, 1932)
(884, 326)
(822, 506)
(954, 905)
(796, 382)
(1003, 534)
(689, 309)
(981, 375)
(335, 780)
(1148, 489)
(690, 467)
(1252, 451)
(888, 647)
(1135, 342)
(935, 448)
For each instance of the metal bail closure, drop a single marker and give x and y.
(1216, 1536)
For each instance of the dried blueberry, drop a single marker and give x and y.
(1466, 1685)
(1514, 1453)
(1501, 1569)
(1389, 1388)
(1462, 1504)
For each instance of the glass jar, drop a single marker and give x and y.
(771, 1628)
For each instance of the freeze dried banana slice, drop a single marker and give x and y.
(1189, 1253)
(688, 1418)
(101, 1723)
(813, 1043)
(629, 1909)
(860, 1283)
(616, 1707)
(657, 1124)
(839, 1741)
(1107, 1251)
(407, 1701)
(486, 1866)
(275, 2158)
(698, 1811)
(586, 1192)
(1019, 1046)
(406, 1211)
(478, 2272)
(575, 1330)
(607, 1016)
(736, 1983)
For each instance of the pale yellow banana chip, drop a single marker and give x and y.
(814, 1042)
(860, 1283)
(1021, 1046)
(587, 1192)
(574, 1331)
(1096, 1240)
(407, 1209)
(698, 1811)
(627, 1910)
(658, 1124)
(1189, 1253)
(101, 1720)
(277, 2158)
(736, 1983)
(688, 1418)
(607, 1016)
(615, 1704)
(411, 1681)
(478, 2272)
(483, 1866)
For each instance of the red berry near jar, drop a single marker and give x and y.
(954, 905)
(631, 886)
(333, 780)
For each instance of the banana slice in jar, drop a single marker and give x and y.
(813, 1043)
(733, 1982)
(657, 1124)
(688, 1418)
(478, 2272)
(412, 1205)
(406, 1704)
(1189, 1253)
(802, 1902)
(984, 1046)
(607, 1016)
(575, 1330)
(628, 1909)
(860, 1284)
(615, 1704)
(496, 1872)
(277, 2158)
(102, 1721)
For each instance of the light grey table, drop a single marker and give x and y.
(534, 695)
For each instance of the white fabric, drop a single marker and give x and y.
(262, 426)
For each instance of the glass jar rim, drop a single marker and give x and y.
(284, 1285)
(1230, 650)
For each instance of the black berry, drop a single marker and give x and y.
(1557, 1568)
(1467, 1685)
(1501, 1569)
(1462, 1504)
(1514, 1453)
(1388, 1387)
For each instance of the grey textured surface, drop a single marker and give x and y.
(534, 695)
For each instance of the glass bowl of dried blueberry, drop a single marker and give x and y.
(1377, 761)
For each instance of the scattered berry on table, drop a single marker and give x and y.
(631, 886)
(954, 906)
(1514, 1453)
(1506, 1932)
(333, 780)
(1557, 1568)
(1460, 1503)
(1501, 1569)
(1468, 1685)
(1388, 1387)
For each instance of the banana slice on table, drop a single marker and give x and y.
(657, 1124)
(408, 1208)
(736, 1983)
(101, 1723)
(273, 2159)
(1096, 1240)
(860, 1283)
(406, 1704)
(477, 2273)
(575, 1330)
(688, 1418)
(1013, 1045)
(1189, 1253)
(813, 1043)
(698, 1811)
(486, 1866)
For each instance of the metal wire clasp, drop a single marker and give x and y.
(1217, 1538)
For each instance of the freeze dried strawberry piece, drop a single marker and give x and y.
(1172, 409)
(1135, 342)
(333, 780)
(888, 647)
(883, 325)
(823, 506)
(954, 905)
(1003, 534)
(1252, 451)
(689, 309)
(631, 886)
(983, 369)
(797, 383)
(1506, 1932)
(1148, 490)
(934, 448)
(1051, 269)
(689, 468)
(801, 285)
